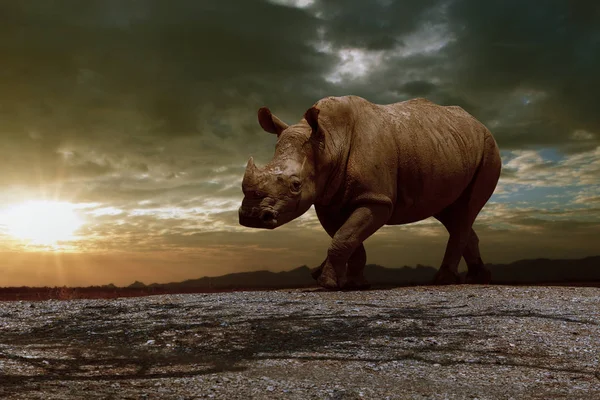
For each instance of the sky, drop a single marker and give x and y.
(125, 126)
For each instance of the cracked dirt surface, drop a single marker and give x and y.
(485, 342)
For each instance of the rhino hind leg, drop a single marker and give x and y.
(463, 242)
(477, 273)
(448, 272)
(459, 217)
(458, 221)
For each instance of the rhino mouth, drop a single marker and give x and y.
(265, 218)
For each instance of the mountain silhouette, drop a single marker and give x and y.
(541, 270)
(546, 270)
(136, 285)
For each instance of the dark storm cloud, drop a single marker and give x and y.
(129, 77)
(164, 61)
(377, 25)
(132, 78)
(527, 70)
(508, 45)
(418, 88)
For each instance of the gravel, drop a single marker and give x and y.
(463, 342)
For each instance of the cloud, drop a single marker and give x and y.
(145, 112)
(543, 55)
(528, 74)
(375, 25)
(122, 80)
(529, 168)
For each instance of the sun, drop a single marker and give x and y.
(42, 222)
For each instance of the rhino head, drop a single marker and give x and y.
(285, 188)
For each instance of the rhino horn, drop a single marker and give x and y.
(251, 171)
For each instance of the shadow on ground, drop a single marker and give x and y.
(174, 340)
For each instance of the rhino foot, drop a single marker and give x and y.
(327, 282)
(316, 272)
(479, 276)
(329, 279)
(356, 283)
(446, 277)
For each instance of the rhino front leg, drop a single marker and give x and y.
(355, 270)
(361, 224)
(331, 219)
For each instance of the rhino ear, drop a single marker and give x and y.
(312, 117)
(269, 122)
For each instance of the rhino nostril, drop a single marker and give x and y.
(267, 216)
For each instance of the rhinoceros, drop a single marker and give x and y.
(364, 165)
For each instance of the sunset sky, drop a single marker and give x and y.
(125, 126)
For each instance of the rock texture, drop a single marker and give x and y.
(485, 342)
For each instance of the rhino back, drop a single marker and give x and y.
(416, 155)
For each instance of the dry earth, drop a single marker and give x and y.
(485, 342)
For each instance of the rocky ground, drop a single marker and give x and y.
(485, 342)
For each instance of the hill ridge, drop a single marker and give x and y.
(535, 270)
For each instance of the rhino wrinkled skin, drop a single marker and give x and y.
(364, 165)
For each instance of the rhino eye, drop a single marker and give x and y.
(259, 194)
(295, 185)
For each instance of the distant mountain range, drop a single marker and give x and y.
(541, 270)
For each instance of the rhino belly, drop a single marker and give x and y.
(413, 206)
(406, 215)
